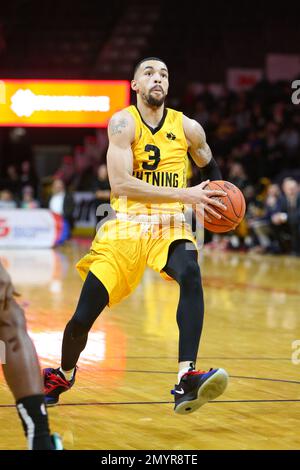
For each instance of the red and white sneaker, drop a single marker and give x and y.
(55, 383)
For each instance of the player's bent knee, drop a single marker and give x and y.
(190, 276)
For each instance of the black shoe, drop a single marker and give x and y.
(198, 387)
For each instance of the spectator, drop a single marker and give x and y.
(7, 200)
(273, 148)
(290, 139)
(12, 182)
(62, 203)
(28, 176)
(273, 194)
(91, 150)
(258, 119)
(201, 113)
(242, 115)
(237, 175)
(28, 201)
(84, 175)
(102, 143)
(80, 160)
(286, 217)
(66, 171)
(259, 219)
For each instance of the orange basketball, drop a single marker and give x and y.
(236, 206)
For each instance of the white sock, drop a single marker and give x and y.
(68, 374)
(184, 367)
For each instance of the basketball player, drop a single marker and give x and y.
(147, 157)
(22, 371)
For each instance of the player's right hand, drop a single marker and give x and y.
(7, 290)
(207, 199)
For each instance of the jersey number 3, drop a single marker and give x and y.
(154, 155)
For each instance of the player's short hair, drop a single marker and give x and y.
(144, 60)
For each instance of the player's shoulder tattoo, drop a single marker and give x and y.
(117, 124)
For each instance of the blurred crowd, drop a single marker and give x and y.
(22, 189)
(273, 218)
(83, 171)
(255, 137)
(258, 128)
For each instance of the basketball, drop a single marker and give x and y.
(236, 206)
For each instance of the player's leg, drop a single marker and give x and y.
(194, 388)
(182, 265)
(92, 301)
(23, 376)
(113, 272)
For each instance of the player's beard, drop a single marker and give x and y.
(155, 102)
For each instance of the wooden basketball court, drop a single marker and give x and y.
(122, 400)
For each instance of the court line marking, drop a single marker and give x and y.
(261, 358)
(164, 402)
(230, 376)
(265, 378)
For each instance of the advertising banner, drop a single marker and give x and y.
(242, 79)
(36, 228)
(61, 103)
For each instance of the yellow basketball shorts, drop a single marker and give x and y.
(121, 251)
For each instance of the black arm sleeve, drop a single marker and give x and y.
(211, 171)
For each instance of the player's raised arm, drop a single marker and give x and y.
(121, 133)
(200, 150)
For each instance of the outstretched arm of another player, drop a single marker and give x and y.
(121, 133)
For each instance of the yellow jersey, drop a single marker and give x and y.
(159, 158)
